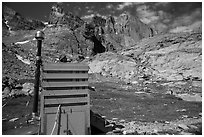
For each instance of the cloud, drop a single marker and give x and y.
(109, 6)
(123, 5)
(188, 19)
(146, 15)
(127, 4)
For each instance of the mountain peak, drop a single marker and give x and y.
(58, 17)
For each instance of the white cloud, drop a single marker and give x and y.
(147, 16)
(123, 5)
(127, 4)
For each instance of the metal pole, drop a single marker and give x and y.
(39, 36)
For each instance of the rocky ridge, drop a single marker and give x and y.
(15, 21)
(58, 17)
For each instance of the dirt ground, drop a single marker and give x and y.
(136, 108)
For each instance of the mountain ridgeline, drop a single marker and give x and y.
(69, 34)
(99, 34)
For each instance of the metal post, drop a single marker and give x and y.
(39, 36)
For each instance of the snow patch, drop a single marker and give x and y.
(6, 22)
(26, 61)
(45, 23)
(22, 42)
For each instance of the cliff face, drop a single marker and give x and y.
(130, 27)
(117, 33)
(58, 16)
(14, 21)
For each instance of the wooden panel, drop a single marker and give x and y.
(63, 124)
(65, 67)
(65, 84)
(50, 118)
(65, 76)
(64, 92)
(66, 100)
(66, 109)
(76, 123)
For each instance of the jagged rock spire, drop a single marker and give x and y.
(58, 16)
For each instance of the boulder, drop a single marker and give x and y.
(28, 89)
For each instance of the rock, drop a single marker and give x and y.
(192, 126)
(28, 88)
(200, 114)
(185, 133)
(167, 122)
(155, 131)
(63, 58)
(18, 86)
(134, 82)
(189, 97)
(197, 83)
(6, 92)
(117, 130)
(170, 92)
(183, 126)
(130, 132)
(122, 121)
(114, 119)
(184, 116)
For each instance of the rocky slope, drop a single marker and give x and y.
(169, 57)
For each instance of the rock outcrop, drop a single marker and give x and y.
(127, 30)
(15, 21)
(115, 34)
(58, 17)
(169, 57)
(12, 67)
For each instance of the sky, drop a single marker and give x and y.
(160, 13)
